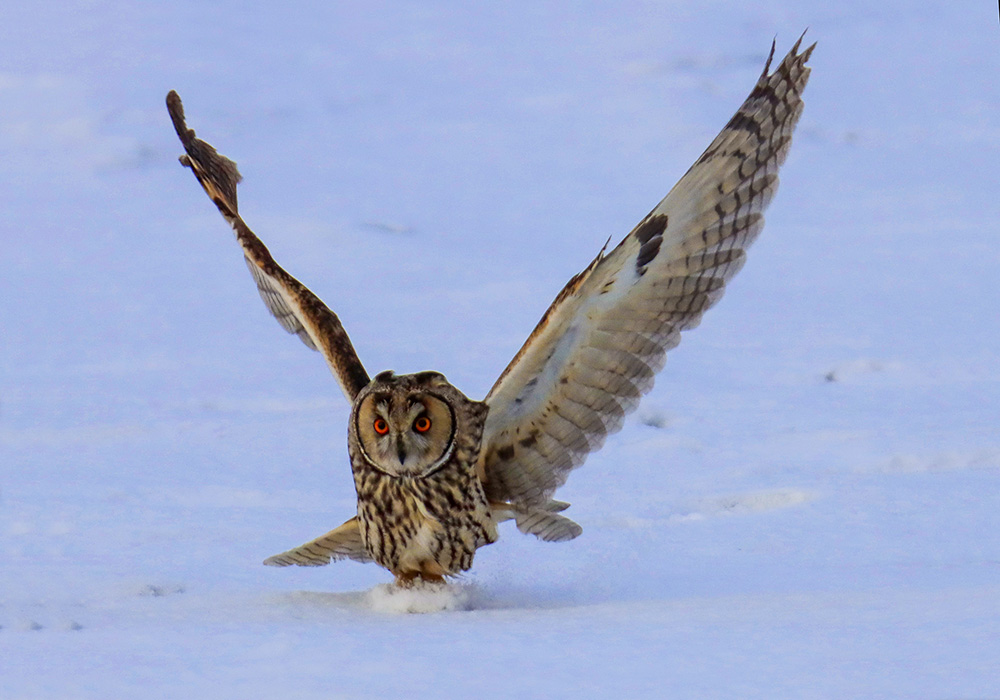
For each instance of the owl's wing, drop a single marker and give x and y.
(297, 309)
(597, 348)
(343, 542)
(544, 522)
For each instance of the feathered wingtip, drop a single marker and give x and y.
(792, 55)
(175, 108)
(795, 48)
(542, 521)
(217, 174)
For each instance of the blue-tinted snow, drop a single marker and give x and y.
(805, 506)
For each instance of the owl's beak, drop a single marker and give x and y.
(400, 450)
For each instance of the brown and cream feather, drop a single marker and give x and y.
(297, 309)
(601, 343)
(344, 542)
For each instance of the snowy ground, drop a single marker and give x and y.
(805, 506)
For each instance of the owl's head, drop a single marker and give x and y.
(414, 424)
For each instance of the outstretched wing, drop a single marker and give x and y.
(297, 309)
(597, 348)
(344, 542)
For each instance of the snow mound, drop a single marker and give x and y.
(420, 598)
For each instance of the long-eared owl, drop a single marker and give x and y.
(435, 471)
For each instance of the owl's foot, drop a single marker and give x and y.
(415, 574)
(415, 579)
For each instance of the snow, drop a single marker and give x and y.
(422, 598)
(806, 504)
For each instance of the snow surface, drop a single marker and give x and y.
(805, 506)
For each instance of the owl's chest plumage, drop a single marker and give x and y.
(429, 526)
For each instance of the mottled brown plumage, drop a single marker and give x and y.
(435, 471)
(426, 520)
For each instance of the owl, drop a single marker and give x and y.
(435, 471)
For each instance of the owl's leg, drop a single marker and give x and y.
(429, 572)
(413, 580)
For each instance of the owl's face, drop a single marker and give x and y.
(404, 426)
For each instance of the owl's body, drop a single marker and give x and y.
(435, 471)
(428, 521)
(427, 528)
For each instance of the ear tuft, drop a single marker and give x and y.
(430, 378)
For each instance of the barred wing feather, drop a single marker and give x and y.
(297, 309)
(343, 542)
(597, 349)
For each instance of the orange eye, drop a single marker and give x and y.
(380, 426)
(422, 424)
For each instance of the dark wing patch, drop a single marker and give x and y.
(650, 235)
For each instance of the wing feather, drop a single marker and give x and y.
(297, 309)
(597, 349)
(543, 522)
(344, 542)
(270, 294)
